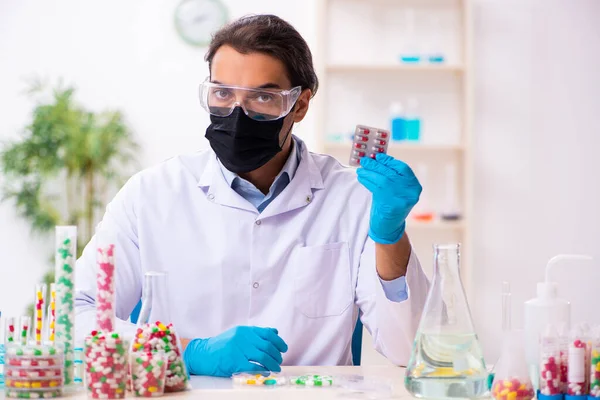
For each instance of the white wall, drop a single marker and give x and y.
(537, 104)
(537, 133)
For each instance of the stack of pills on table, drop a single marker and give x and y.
(106, 365)
(33, 371)
(161, 338)
(254, 379)
(312, 380)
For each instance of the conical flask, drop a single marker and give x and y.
(446, 361)
(155, 299)
(156, 333)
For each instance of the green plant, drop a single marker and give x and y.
(65, 162)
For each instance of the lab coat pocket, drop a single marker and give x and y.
(323, 280)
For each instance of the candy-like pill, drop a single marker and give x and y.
(358, 153)
(106, 366)
(512, 389)
(253, 379)
(162, 338)
(148, 373)
(312, 380)
(370, 145)
(64, 331)
(576, 377)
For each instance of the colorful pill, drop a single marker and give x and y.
(364, 131)
(361, 138)
(373, 155)
(382, 135)
(360, 146)
(380, 142)
(357, 153)
(379, 149)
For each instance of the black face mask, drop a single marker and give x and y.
(242, 143)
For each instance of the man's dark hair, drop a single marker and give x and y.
(269, 34)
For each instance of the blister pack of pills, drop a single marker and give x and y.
(368, 142)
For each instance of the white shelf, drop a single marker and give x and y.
(394, 68)
(435, 225)
(398, 147)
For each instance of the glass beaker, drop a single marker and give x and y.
(156, 333)
(512, 379)
(446, 361)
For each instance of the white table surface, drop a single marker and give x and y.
(388, 383)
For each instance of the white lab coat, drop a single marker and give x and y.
(305, 265)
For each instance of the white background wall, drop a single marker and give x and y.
(536, 124)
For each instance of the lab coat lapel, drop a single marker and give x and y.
(217, 189)
(300, 191)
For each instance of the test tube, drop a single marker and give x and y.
(576, 378)
(24, 329)
(52, 313)
(65, 256)
(563, 344)
(550, 379)
(595, 364)
(9, 337)
(105, 280)
(38, 312)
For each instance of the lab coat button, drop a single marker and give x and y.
(257, 222)
(211, 196)
(255, 285)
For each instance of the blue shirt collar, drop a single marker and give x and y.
(289, 168)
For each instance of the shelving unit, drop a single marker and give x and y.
(360, 75)
(333, 68)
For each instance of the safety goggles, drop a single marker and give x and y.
(259, 104)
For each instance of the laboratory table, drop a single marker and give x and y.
(222, 388)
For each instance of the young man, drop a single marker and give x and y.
(272, 252)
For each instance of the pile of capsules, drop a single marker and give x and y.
(513, 389)
(160, 338)
(368, 142)
(148, 370)
(106, 365)
(257, 379)
(33, 371)
(570, 363)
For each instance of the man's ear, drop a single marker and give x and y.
(301, 106)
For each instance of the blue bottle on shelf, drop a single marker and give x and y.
(410, 53)
(413, 121)
(397, 122)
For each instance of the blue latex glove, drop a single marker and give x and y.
(395, 190)
(240, 349)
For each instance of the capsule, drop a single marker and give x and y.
(373, 155)
(378, 149)
(361, 138)
(360, 146)
(382, 135)
(354, 160)
(358, 153)
(363, 131)
(380, 142)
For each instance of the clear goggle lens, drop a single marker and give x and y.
(259, 104)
